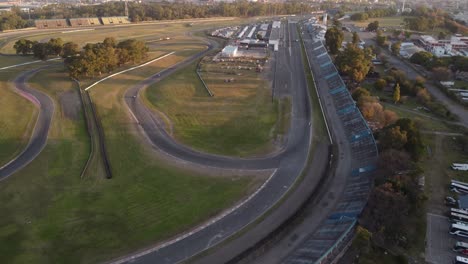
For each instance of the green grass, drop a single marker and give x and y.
(238, 120)
(12, 60)
(147, 32)
(388, 22)
(54, 216)
(17, 119)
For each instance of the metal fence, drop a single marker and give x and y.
(323, 245)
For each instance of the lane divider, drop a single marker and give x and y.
(127, 70)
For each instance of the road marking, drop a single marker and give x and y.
(437, 215)
(198, 229)
(127, 70)
(27, 63)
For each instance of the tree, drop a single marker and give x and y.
(396, 93)
(70, 49)
(373, 26)
(396, 48)
(441, 74)
(356, 38)
(354, 62)
(414, 146)
(359, 92)
(385, 213)
(333, 39)
(392, 161)
(362, 240)
(40, 51)
(423, 96)
(380, 84)
(54, 46)
(24, 46)
(442, 35)
(422, 58)
(393, 138)
(381, 39)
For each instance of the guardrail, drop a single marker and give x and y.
(203, 82)
(342, 220)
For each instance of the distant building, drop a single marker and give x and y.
(276, 24)
(407, 49)
(444, 47)
(229, 51)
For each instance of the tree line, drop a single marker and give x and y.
(423, 19)
(373, 13)
(89, 61)
(152, 11)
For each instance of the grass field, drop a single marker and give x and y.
(53, 216)
(387, 22)
(12, 60)
(147, 32)
(17, 118)
(238, 120)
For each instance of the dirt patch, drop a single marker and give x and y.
(71, 104)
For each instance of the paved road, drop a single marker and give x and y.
(290, 163)
(39, 136)
(451, 104)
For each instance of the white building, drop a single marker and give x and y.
(229, 51)
(276, 24)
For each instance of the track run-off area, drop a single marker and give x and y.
(284, 168)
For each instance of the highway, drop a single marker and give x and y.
(289, 163)
(38, 139)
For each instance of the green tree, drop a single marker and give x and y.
(381, 39)
(70, 49)
(24, 46)
(360, 92)
(396, 48)
(333, 39)
(393, 138)
(356, 38)
(442, 35)
(422, 58)
(373, 26)
(380, 84)
(362, 240)
(396, 93)
(54, 46)
(354, 62)
(40, 51)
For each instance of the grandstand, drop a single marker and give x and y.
(51, 23)
(114, 20)
(84, 22)
(323, 244)
(80, 22)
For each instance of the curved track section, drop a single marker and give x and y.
(155, 131)
(41, 129)
(289, 163)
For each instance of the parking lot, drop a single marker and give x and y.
(439, 242)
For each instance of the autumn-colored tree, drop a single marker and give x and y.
(380, 84)
(393, 138)
(356, 38)
(396, 93)
(354, 62)
(396, 48)
(423, 96)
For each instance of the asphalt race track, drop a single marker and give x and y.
(38, 139)
(289, 163)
